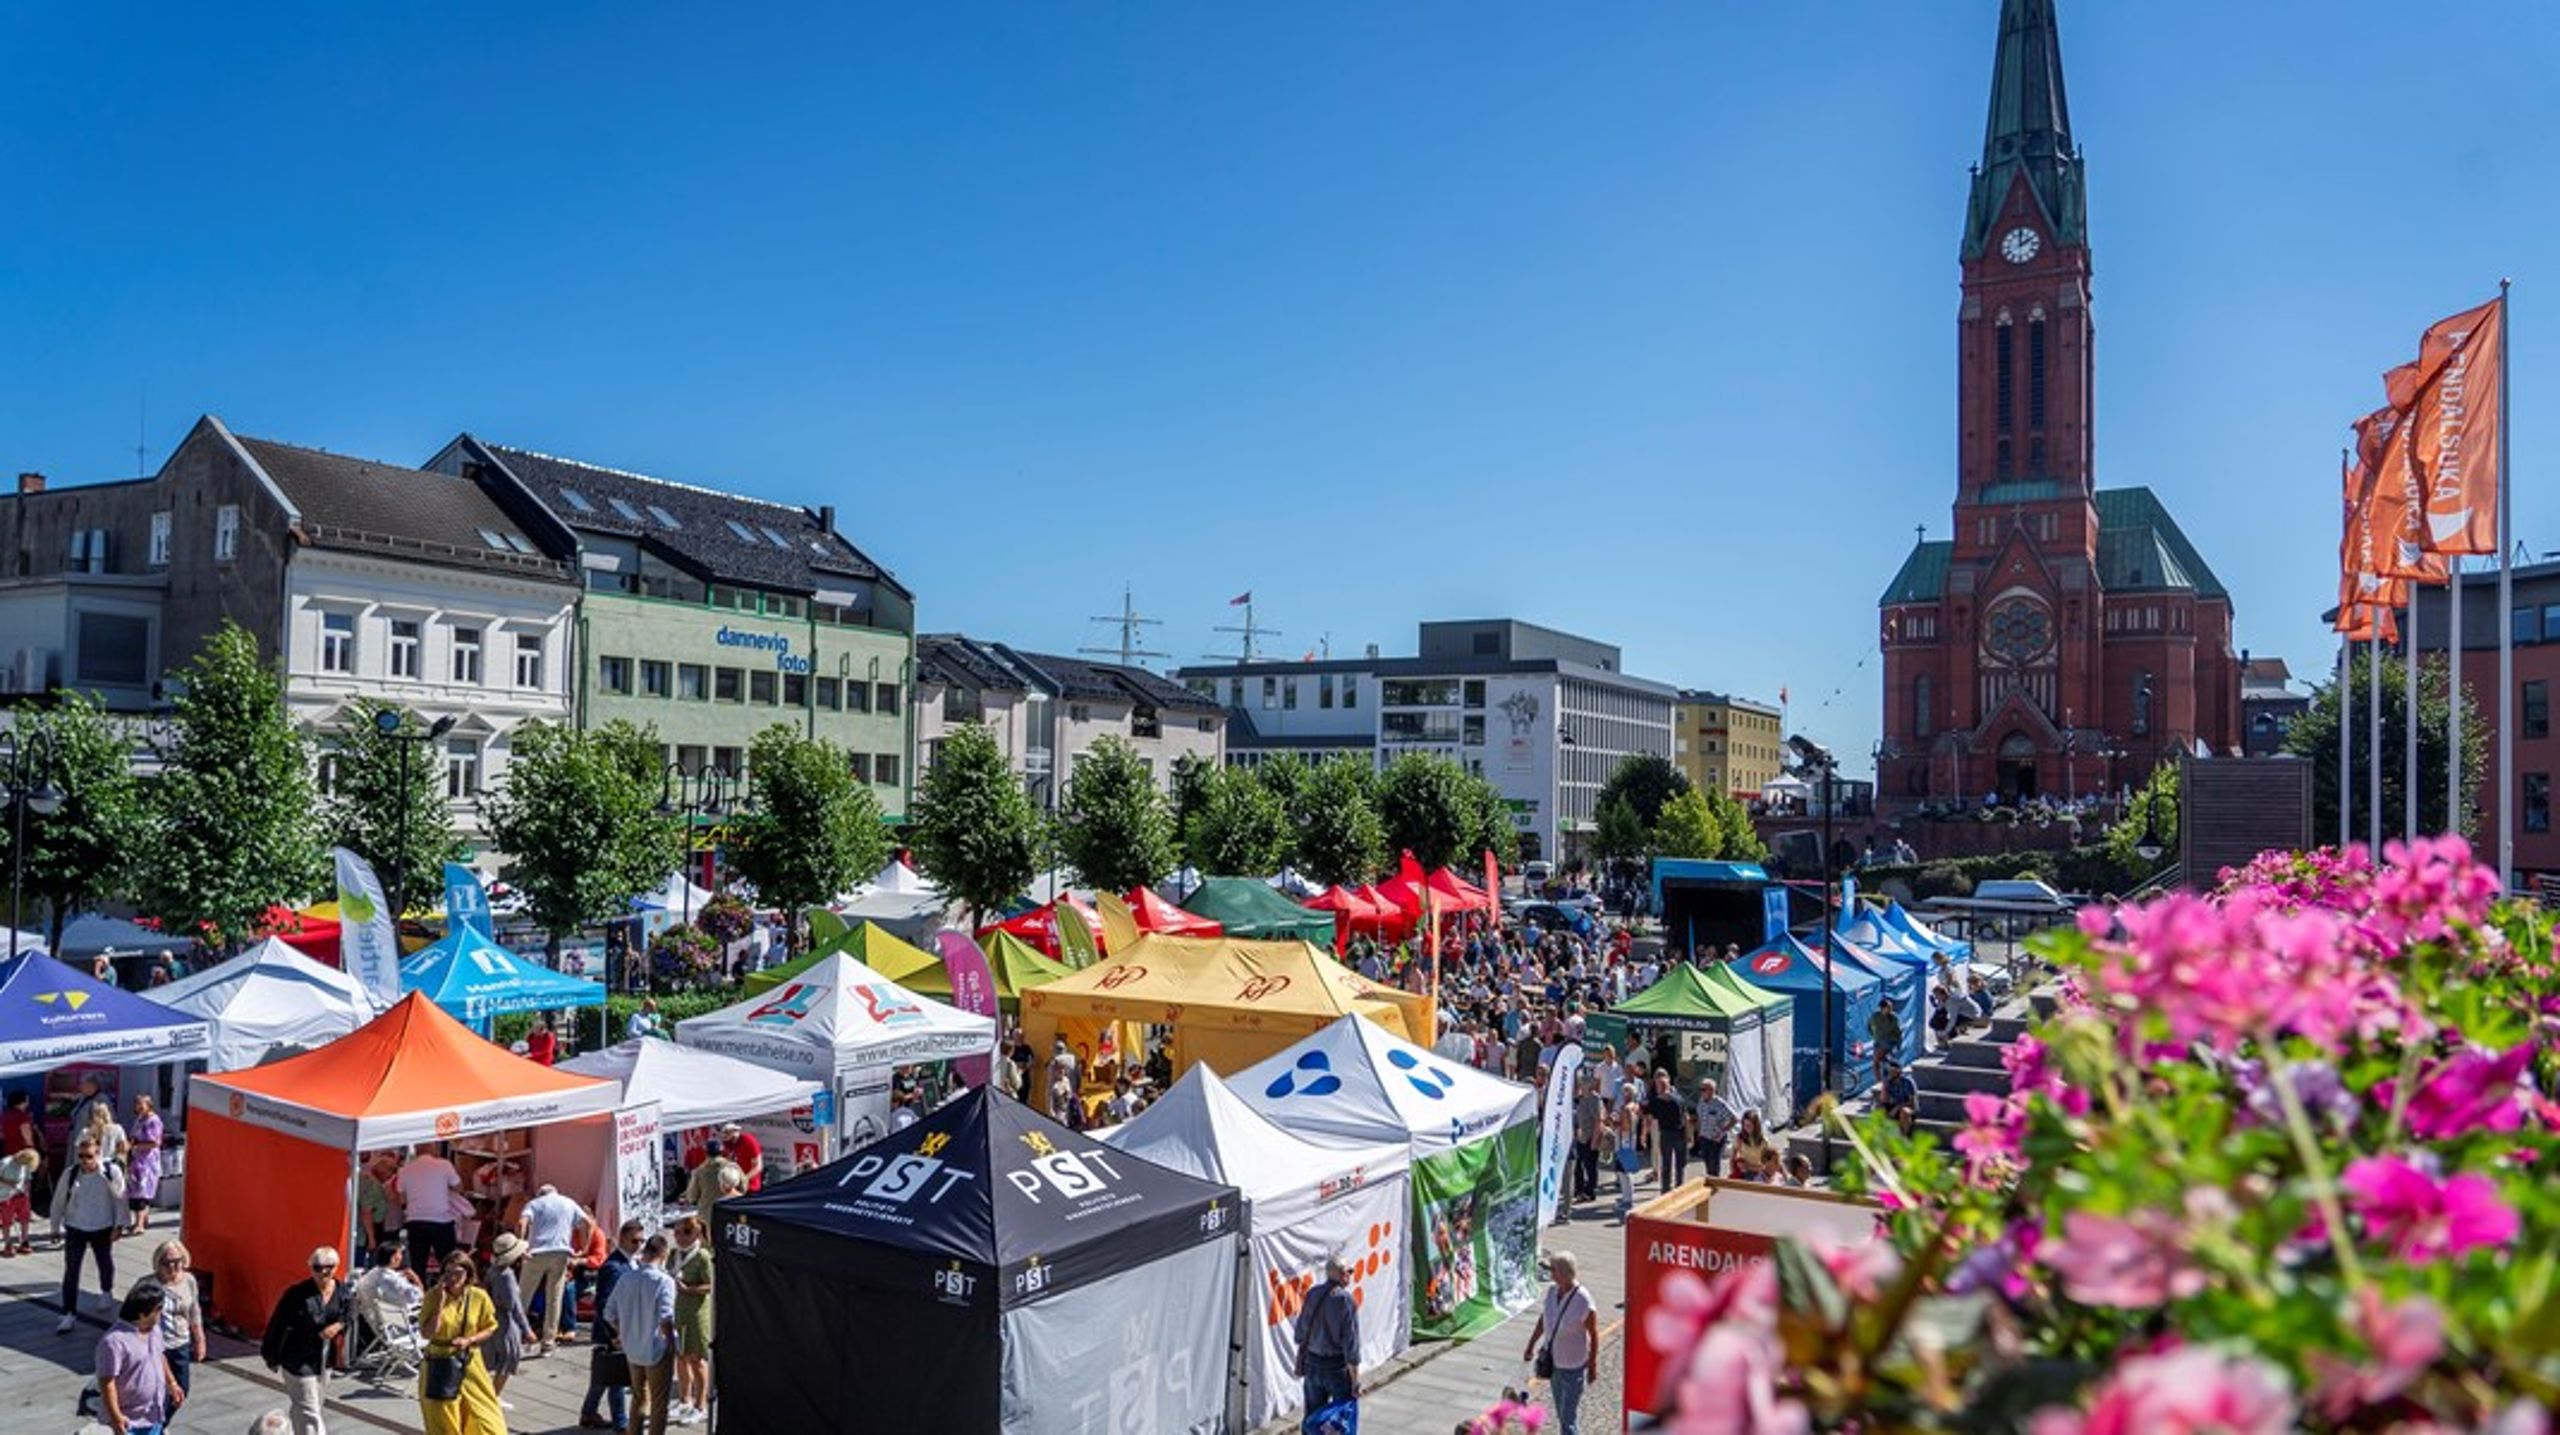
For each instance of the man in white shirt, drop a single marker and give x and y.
(555, 1229)
(642, 1311)
(431, 1195)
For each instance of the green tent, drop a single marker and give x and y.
(1014, 963)
(1255, 911)
(1704, 1026)
(869, 944)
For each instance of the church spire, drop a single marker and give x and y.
(2029, 129)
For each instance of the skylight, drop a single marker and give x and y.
(779, 541)
(625, 509)
(577, 500)
(665, 519)
(517, 542)
(739, 529)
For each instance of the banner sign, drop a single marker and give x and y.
(1362, 1226)
(1075, 939)
(466, 902)
(634, 1185)
(973, 990)
(1555, 1133)
(369, 942)
(1475, 1234)
(1773, 912)
(794, 1141)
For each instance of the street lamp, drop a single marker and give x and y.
(1813, 757)
(27, 770)
(696, 795)
(2151, 844)
(393, 724)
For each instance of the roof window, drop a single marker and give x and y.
(576, 500)
(493, 540)
(623, 508)
(739, 529)
(518, 542)
(779, 541)
(665, 519)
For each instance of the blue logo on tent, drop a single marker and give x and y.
(1324, 1083)
(1432, 1082)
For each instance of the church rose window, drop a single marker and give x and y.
(2019, 630)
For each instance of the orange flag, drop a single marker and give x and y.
(2361, 581)
(2394, 498)
(2456, 432)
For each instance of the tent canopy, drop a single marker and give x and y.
(411, 1074)
(1013, 962)
(1684, 999)
(1905, 989)
(1790, 967)
(1038, 927)
(1202, 1128)
(692, 1088)
(88, 935)
(1924, 935)
(1252, 910)
(869, 943)
(675, 895)
(53, 1015)
(1353, 911)
(1354, 1082)
(269, 998)
(1154, 914)
(1777, 1042)
(836, 1017)
(476, 979)
(900, 880)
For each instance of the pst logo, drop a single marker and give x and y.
(954, 1284)
(1260, 987)
(1039, 1142)
(1119, 977)
(1311, 1076)
(740, 1235)
(789, 1006)
(1431, 1081)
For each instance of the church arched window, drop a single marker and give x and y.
(2035, 373)
(1920, 706)
(2005, 380)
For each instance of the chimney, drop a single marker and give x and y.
(827, 517)
(31, 483)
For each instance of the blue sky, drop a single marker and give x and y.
(1634, 320)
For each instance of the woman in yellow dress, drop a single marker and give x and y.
(456, 1318)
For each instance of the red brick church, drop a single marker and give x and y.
(2069, 637)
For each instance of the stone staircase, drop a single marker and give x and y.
(1945, 1077)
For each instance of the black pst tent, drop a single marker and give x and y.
(985, 1269)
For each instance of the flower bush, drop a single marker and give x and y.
(2281, 1159)
(725, 919)
(683, 959)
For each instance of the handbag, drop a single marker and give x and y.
(440, 1378)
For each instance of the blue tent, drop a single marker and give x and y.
(53, 1015)
(1923, 935)
(1906, 990)
(1794, 970)
(476, 979)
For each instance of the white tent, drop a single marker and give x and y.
(900, 880)
(1471, 1259)
(1287, 880)
(267, 1002)
(1304, 1201)
(693, 1088)
(676, 895)
(845, 1025)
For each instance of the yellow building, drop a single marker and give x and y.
(1728, 744)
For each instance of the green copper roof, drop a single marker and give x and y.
(2140, 547)
(1923, 578)
(2140, 508)
(2029, 130)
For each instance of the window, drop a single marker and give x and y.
(1324, 690)
(520, 543)
(325, 775)
(160, 539)
(2521, 626)
(2035, 374)
(405, 646)
(2551, 622)
(226, 533)
(886, 698)
(1078, 712)
(576, 500)
(795, 690)
(528, 660)
(1418, 693)
(689, 759)
(1289, 695)
(830, 693)
(857, 696)
(1270, 693)
(2537, 802)
(2537, 708)
(491, 538)
(1471, 729)
(462, 768)
(337, 642)
(781, 605)
(884, 769)
(860, 762)
(466, 655)
(623, 508)
(693, 682)
(1235, 692)
(1350, 691)
(665, 519)
(2001, 362)
(726, 759)
(115, 648)
(779, 541)
(1208, 724)
(728, 685)
(760, 687)
(1920, 706)
(657, 677)
(2141, 703)
(614, 674)
(1474, 691)
(740, 529)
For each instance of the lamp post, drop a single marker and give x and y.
(1813, 757)
(393, 724)
(26, 767)
(695, 795)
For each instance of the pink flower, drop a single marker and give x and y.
(1685, 1307)
(2423, 1219)
(1861, 1270)
(1990, 1140)
(2472, 1090)
(2132, 1264)
(2191, 1391)
(2403, 1340)
(1729, 1386)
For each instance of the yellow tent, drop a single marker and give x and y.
(1230, 1002)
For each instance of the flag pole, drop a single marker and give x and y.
(2346, 743)
(2373, 735)
(2409, 738)
(2453, 695)
(2507, 795)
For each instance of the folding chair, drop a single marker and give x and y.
(389, 1348)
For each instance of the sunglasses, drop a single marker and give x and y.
(321, 1268)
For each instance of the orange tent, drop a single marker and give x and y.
(272, 1150)
(1154, 914)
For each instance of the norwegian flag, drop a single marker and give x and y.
(1241, 599)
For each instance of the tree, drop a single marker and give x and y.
(1493, 829)
(1619, 837)
(2152, 815)
(1428, 808)
(812, 831)
(974, 830)
(1114, 826)
(1741, 840)
(1340, 838)
(83, 852)
(389, 805)
(1241, 829)
(235, 827)
(1647, 782)
(1689, 827)
(582, 832)
(635, 748)
(1191, 774)
(2314, 737)
(1286, 778)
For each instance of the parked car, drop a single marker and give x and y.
(1560, 917)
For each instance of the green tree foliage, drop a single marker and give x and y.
(2153, 812)
(812, 831)
(1741, 840)
(1241, 830)
(1493, 831)
(1689, 827)
(1339, 836)
(1429, 808)
(2314, 737)
(582, 831)
(1191, 776)
(1647, 783)
(1286, 777)
(974, 830)
(637, 750)
(81, 853)
(378, 776)
(1114, 826)
(1619, 836)
(235, 827)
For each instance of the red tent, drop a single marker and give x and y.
(1393, 920)
(1357, 914)
(1450, 893)
(1155, 914)
(314, 936)
(1039, 926)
